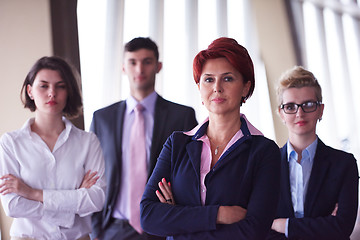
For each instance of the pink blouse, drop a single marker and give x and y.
(206, 156)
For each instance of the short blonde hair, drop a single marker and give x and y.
(297, 77)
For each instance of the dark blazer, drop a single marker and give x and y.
(107, 124)
(333, 180)
(246, 175)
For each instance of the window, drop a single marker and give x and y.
(181, 29)
(331, 44)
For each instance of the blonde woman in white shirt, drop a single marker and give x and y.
(52, 173)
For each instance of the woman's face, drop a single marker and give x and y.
(301, 123)
(48, 92)
(222, 87)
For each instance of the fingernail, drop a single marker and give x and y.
(163, 179)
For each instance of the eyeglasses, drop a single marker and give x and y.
(307, 107)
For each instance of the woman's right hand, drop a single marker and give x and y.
(166, 195)
(12, 184)
(230, 214)
(89, 179)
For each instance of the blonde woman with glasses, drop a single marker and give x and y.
(319, 184)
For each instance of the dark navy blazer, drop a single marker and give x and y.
(246, 175)
(107, 124)
(334, 179)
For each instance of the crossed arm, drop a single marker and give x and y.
(12, 184)
(225, 215)
(279, 224)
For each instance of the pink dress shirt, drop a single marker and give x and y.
(206, 151)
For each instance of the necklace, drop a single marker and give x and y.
(216, 151)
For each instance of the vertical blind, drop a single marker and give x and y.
(328, 33)
(181, 29)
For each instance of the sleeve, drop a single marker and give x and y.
(264, 192)
(15, 206)
(166, 220)
(274, 235)
(86, 201)
(333, 227)
(56, 207)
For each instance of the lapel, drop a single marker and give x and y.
(317, 177)
(118, 125)
(116, 120)
(285, 181)
(194, 149)
(160, 119)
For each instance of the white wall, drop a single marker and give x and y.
(276, 49)
(25, 36)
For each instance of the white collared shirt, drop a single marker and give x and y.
(66, 210)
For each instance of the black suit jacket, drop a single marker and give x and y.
(107, 124)
(333, 180)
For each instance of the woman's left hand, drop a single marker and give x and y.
(279, 225)
(166, 194)
(89, 179)
(12, 184)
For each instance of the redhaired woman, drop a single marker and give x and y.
(224, 174)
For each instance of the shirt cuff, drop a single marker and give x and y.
(60, 206)
(286, 227)
(61, 219)
(60, 200)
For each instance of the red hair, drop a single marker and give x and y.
(236, 54)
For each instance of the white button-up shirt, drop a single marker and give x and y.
(65, 212)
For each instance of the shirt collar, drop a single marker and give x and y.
(200, 129)
(148, 103)
(27, 126)
(308, 151)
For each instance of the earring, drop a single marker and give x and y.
(31, 97)
(320, 119)
(243, 100)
